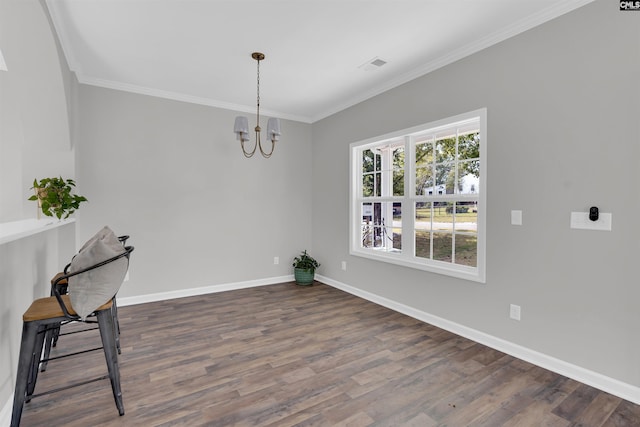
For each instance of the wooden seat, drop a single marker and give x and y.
(47, 314)
(48, 308)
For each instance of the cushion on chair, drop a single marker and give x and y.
(104, 231)
(91, 289)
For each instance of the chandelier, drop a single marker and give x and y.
(241, 126)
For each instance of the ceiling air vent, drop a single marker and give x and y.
(373, 64)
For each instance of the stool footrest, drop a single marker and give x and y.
(55, 390)
(70, 354)
(78, 331)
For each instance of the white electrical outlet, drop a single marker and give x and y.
(514, 312)
(126, 276)
(344, 265)
(276, 260)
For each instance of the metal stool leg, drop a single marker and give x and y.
(114, 312)
(25, 365)
(35, 363)
(107, 333)
(56, 335)
(50, 338)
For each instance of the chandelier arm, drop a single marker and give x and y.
(245, 152)
(267, 155)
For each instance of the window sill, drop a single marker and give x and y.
(15, 230)
(458, 271)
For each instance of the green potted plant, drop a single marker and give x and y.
(304, 268)
(55, 198)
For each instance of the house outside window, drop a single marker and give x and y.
(418, 197)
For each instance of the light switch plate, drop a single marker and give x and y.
(516, 217)
(514, 312)
(580, 220)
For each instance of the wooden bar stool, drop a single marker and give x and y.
(48, 313)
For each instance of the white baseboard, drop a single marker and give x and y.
(594, 379)
(181, 293)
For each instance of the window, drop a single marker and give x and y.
(418, 197)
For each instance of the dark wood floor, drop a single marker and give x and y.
(284, 355)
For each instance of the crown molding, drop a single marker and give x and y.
(177, 96)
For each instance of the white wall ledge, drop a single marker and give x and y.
(15, 230)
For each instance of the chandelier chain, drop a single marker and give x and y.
(258, 97)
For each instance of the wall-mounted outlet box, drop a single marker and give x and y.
(276, 260)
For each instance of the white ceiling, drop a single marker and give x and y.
(200, 50)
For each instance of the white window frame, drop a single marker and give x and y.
(406, 256)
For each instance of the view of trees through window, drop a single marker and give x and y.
(419, 195)
(446, 230)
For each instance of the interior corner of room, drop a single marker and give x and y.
(562, 105)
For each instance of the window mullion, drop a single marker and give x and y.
(387, 176)
(410, 167)
(456, 168)
(456, 191)
(408, 206)
(432, 213)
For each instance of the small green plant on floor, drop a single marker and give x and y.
(304, 268)
(305, 262)
(55, 198)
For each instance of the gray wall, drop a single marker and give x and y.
(35, 97)
(563, 135)
(35, 141)
(173, 177)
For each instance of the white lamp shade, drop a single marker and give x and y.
(241, 128)
(273, 129)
